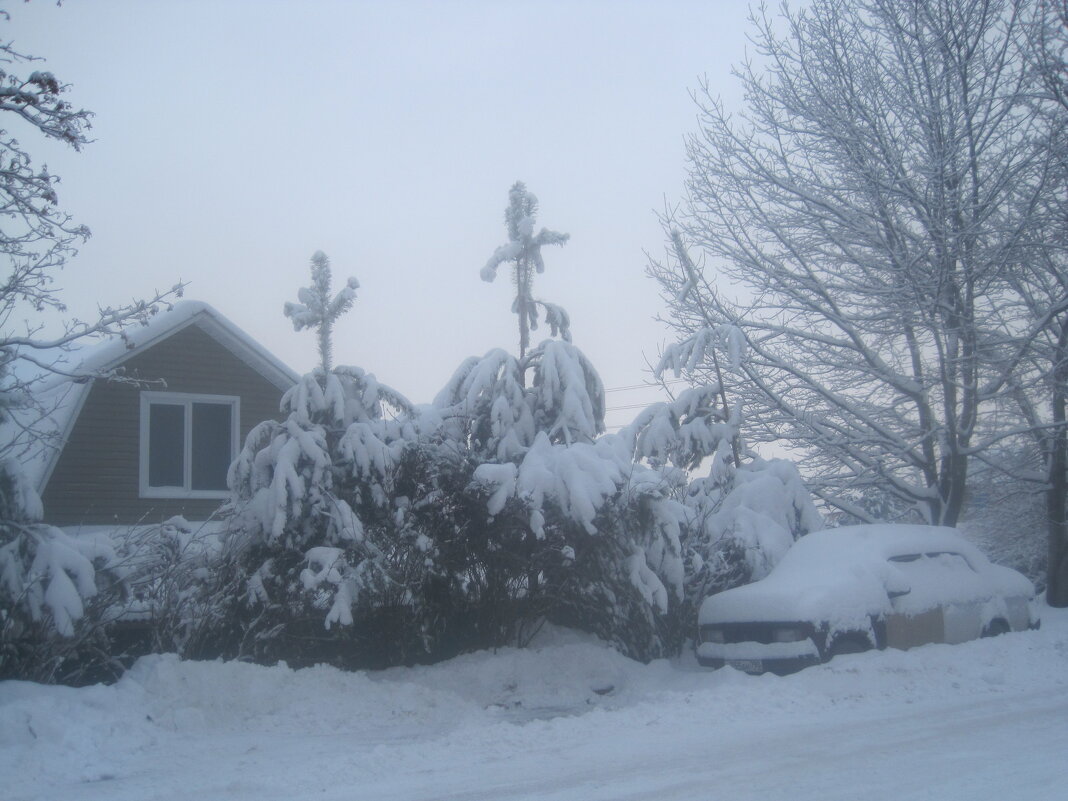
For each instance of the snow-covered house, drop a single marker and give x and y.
(124, 454)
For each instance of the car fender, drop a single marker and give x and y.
(834, 635)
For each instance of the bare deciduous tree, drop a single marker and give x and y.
(45, 576)
(885, 175)
(37, 239)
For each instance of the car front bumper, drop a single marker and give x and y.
(754, 657)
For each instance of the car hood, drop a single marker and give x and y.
(856, 597)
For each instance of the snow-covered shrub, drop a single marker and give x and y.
(56, 591)
(512, 506)
(567, 396)
(624, 576)
(313, 483)
(292, 479)
(469, 522)
(555, 522)
(458, 575)
(741, 528)
(746, 512)
(179, 591)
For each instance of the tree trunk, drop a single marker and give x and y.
(522, 302)
(957, 480)
(1057, 494)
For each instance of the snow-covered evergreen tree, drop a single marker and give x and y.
(605, 532)
(574, 529)
(304, 489)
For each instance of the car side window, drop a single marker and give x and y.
(907, 557)
(941, 560)
(951, 561)
(935, 578)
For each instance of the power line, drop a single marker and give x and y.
(648, 386)
(622, 408)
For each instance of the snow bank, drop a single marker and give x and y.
(568, 713)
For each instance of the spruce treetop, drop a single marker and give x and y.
(318, 309)
(523, 249)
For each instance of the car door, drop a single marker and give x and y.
(963, 596)
(943, 603)
(915, 618)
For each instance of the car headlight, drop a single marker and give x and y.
(788, 634)
(709, 634)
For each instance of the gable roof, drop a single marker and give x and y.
(111, 354)
(63, 397)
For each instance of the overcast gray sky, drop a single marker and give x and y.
(234, 138)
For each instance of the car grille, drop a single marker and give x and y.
(750, 632)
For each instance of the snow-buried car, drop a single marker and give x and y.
(850, 589)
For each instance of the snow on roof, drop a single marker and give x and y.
(62, 397)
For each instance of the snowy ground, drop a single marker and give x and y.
(566, 720)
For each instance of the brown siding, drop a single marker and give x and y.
(96, 478)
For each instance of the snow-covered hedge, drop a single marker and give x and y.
(468, 522)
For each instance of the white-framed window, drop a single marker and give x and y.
(187, 444)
